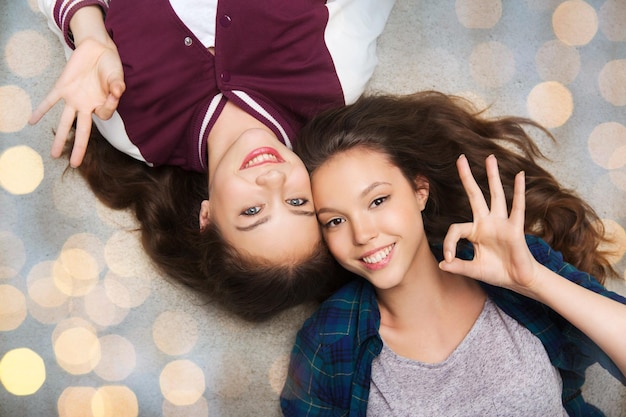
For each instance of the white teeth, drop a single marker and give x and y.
(378, 256)
(261, 158)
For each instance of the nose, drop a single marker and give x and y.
(363, 230)
(272, 178)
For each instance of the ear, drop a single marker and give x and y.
(422, 190)
(204, 216)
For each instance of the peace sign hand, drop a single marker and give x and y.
(91, 82)
(501, 255)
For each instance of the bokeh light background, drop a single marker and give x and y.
(88, 327)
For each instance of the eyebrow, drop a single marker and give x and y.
(366, 191)
(254, 225)
(268, 218)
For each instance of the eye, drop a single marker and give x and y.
(251, 211)
(333, 222)
(297, 201)
(378, 201)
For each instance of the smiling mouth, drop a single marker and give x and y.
(261, 156)
(378, 256)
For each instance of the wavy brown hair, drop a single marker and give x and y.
(166, 201)
(424, 134)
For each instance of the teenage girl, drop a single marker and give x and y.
(458, 312)
(210, 95)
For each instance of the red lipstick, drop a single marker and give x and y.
(260, 156)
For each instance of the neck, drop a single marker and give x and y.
(432, 312)
(426, 292)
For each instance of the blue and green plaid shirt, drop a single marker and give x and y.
(330, 368)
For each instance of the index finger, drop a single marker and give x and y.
(46, 104)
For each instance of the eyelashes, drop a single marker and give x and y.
(254, 210)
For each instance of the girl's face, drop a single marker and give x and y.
(370, 215)
(260, 197)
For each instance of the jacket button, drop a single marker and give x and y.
(188, 41)
(225, 76)
(225, 20)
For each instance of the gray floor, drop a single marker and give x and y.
(105, 335)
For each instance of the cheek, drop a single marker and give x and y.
(299, 171)
(337, 245)
(228, 197)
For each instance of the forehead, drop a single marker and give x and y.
(354, 162)
(348, 176)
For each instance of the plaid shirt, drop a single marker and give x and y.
(330, 369)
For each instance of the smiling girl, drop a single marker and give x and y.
(198, 104)
(458, 312)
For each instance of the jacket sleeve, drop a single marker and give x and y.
(59, 13)
(353, 29)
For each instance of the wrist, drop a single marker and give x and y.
(88, 23)
(539, 282)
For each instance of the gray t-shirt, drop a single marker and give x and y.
(499, 369)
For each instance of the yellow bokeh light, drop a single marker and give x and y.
(175, 332)
(76, 402)
(114, 401)
(77, 350)
(556, 61)
(618, 159)
(46, 303)
(613, 20)
(21, 170)
(27, 53)
(101, 309)
(127, 292)
(550, 103)
(118, 358)
(15, 108)
(278, 373)
(182, 382)
(88, 243)
(22, 371)
(76, 272)
(617, 236)
(41, 285)
(575, 22)
(14, 257)
(612, 82)
(125, 256)
(478, 14)
(607, 145)
(618, 178)
(12, 308)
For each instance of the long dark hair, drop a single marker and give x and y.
(166, 201)
(424, 134)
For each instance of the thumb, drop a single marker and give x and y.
(117, 87)
(106, 110)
